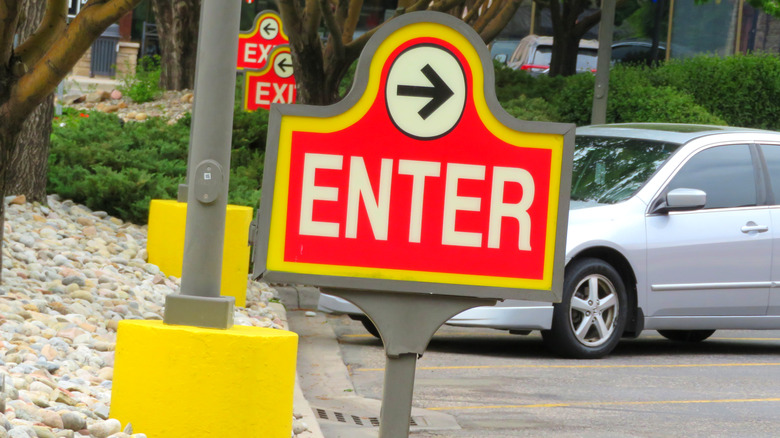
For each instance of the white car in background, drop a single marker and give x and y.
(534, 52)
(671, 228)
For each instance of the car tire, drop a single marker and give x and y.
(588, 325)
(686, 335)
(370, 327)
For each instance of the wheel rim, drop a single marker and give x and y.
(594, 310)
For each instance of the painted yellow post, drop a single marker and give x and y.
(182, 381)
(165, 244)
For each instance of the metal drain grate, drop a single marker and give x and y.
(340, 417)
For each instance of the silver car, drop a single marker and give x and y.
(670, 229)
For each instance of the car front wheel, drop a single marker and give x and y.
(589, 320)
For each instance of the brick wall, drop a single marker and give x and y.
(126, 60)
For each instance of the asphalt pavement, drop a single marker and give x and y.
(478, 383)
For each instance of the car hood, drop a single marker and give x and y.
(578, 205)
(593, 224)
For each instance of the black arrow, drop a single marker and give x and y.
(283, 65)
(439, 92)
(268, 28)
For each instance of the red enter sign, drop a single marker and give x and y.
(417, 181)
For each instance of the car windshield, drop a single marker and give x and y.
(607, 170)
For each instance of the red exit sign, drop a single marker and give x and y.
(417, 181)
(256, 46)
(273, 84)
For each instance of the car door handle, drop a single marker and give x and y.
(751, 227)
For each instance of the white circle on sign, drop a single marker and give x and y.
(269, 28)
(426, 91)
(283, 66)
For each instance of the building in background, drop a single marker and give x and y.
(718, 27)
(113, 54)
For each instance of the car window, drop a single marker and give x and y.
(724, 173)
(542, 55)
(587, 60)
(607, 170)
(772, 157)
(635, 53)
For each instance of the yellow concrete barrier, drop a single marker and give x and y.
(190, 382)
(165, 244)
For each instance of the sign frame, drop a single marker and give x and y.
(550, 292)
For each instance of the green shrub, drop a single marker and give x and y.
(144, 86)
(97, 160)
(511, 84)
(743, 90)
(533, 109)
(107, 166)
(574, 101)
(635, 97)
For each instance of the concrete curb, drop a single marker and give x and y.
(300, 404)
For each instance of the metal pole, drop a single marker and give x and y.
(601, 89)
(738, 37)
(397, 396)
(199, 302)
(533, 17)
(669, 31)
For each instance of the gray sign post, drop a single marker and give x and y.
(199, 302)
(417, 196)
(601, 87)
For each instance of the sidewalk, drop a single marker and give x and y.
(300, 404)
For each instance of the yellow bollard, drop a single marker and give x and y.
(182, 381)
(165, 244)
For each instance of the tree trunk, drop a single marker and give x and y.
(309, 77)
(564, 53)
(24, 150)
(178, 22)
(7, 142)
(28, 166)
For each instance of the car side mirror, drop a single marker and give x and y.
(681, 199)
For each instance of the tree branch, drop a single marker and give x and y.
(586, 23)
(9, 19)
(419, 5)
(500, 21)
(487, 15)
(290, 17)
(51, 28)
(445, 5)
(342, 7)
(333, 28)
(311, 18)
(472, 13)
(91, 21)
(350, 24)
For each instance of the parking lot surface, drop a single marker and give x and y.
(500, 385)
